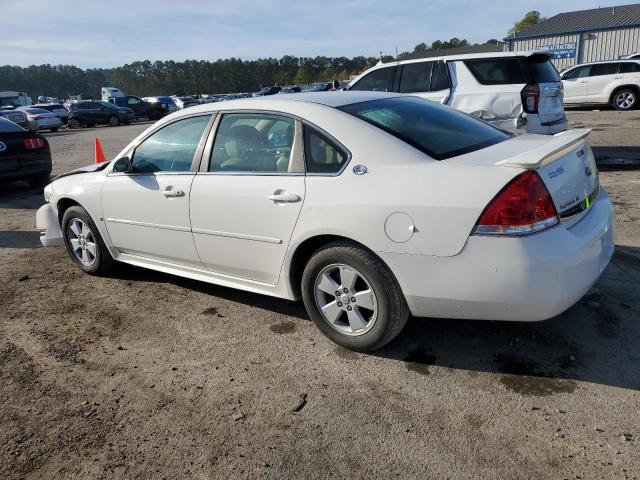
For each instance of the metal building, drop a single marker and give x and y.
(605, 33)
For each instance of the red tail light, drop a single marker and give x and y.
(530, 98)
(34, 143)
(523, 207)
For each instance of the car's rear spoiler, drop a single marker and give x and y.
(558, 145)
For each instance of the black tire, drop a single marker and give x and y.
(625, 99)
(392, 310)
(39, 181)
(54, 129)
(73, 123)
(103, 262)
(114, 121)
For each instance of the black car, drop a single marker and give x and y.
(142, 108)
(24, 155)
(267, 91)
(90, 113)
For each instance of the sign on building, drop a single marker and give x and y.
(560, 50)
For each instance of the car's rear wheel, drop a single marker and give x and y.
(114, 121)
(39, 181)
(625, 99)
(73, 123)
(84, 243)
(353, 297)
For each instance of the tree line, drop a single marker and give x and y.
(146, 78)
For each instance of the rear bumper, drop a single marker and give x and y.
(534, 126)
(517, 279)
(47, 222)
(18, 167)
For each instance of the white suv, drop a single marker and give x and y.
(615, 83)
(517, 91)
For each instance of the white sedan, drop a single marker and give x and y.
(369, 206)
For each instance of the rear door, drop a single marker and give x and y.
(541, 71)
(246, 199)
(603, 78)
(575, 83)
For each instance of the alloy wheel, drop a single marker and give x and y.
(625, 100)
(83, 243)
(345, 299)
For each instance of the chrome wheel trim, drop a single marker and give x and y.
(82, 241)
(625, 100)
(345, 299)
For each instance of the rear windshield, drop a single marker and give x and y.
(439, 131)
(9, 127)
(541, 69)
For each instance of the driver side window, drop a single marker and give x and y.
(170, 149)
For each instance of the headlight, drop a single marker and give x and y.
(47, 193)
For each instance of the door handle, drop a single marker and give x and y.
(281, 196)
(169, 192)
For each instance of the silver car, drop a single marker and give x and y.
(40, 119)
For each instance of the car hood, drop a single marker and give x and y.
(95, 167)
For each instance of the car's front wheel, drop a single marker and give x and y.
(84, 243)
(73, 123)
(114, 121)
(353, 297)
(625, 99)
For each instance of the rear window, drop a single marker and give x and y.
(439, 131)
(7, 126)
(598, 69)
(496, 71)
(541, 70)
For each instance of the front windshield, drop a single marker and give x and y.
(439, 131)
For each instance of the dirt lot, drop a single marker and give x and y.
(143, 375)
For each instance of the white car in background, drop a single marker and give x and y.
(519, 92)
(368, 206)
(41, 119)
(615, 83)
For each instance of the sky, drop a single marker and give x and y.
(107, 33)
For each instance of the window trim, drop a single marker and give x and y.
(297, 148)
(196, 156)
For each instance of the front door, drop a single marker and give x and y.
(147, 211)
(575, 83)
(246, 202)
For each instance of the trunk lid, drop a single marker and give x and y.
(567, 167)
(541, 71)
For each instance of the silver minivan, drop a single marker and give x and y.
(515, 91)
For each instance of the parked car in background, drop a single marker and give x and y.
(516, 91)
(633, 56)
(267, 91)
(477, 223)
(291, 89)
(40, 119)
(55, 108)
(90, 113)
(184, 102)
(615, 83)
(23, 155)
(15, 116)
(141, 108)
(169, 104)
(319, 87)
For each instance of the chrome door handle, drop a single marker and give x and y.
(281, 196)
(169, 192)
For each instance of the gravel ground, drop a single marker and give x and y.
(143, 375)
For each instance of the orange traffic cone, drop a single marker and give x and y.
(99, 154)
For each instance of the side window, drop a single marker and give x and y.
(439, 77)
(170, 149)
(321, 154)
(378, 80)
(578, 72)
(629, 67)
(416, 77)
(253, 143)
(496, 71)
(598, 69)
(133, 101)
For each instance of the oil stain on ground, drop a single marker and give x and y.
(419, 361)
(524, 376)
(283, 327)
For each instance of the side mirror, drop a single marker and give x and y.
(123, 165)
